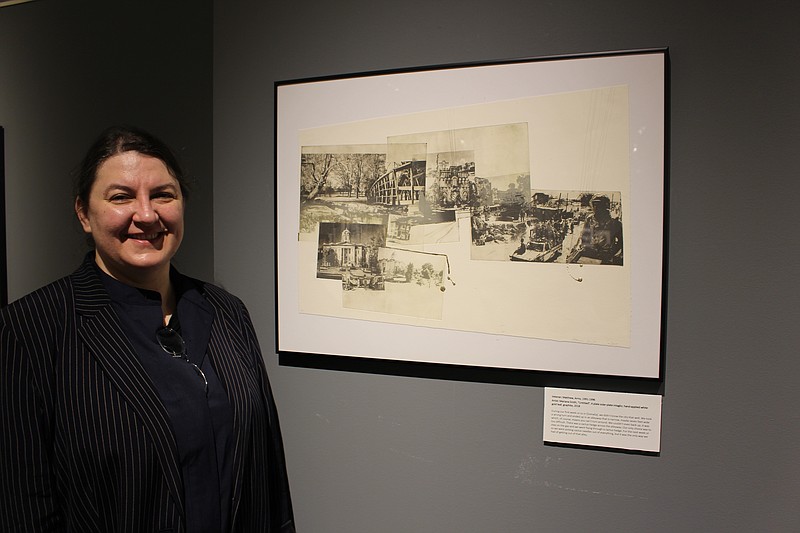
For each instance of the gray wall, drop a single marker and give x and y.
(68, 70)
(392, 453)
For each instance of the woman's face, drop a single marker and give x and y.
(135, 217)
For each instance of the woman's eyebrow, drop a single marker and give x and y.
(128, 188)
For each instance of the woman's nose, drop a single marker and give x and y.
(144, 212)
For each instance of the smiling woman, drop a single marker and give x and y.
(129, 197)
(140, 393)
(134, 213)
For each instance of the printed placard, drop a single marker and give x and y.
(618, 420)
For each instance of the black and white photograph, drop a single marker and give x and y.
(334, 184)
(383, 184)
(408, 283)
(349, 250)
(553, 227)
(414, 218)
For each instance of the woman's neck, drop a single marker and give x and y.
(169, 303)
(157, 280)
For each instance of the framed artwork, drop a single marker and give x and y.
(500, 215)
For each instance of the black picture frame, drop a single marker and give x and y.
(316, 113)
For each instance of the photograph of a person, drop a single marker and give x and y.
(600, 238)
(135, 398)
(554, 227)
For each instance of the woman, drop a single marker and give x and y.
(134, 398)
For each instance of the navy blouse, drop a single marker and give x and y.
(202, 424)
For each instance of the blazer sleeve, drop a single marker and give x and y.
(27, 496)
(280, 498)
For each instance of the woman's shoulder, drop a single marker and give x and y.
(52, 294)
(41, 313)
(57, 297)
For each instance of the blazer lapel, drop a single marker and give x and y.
(102, 334)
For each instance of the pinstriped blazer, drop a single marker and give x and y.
(85, 442)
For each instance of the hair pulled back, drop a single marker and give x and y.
(116, 140)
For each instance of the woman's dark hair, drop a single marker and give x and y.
(116, 140)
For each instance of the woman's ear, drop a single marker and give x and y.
(81, 211)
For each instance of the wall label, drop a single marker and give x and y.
(624, 421)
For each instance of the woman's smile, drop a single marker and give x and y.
(144, 236)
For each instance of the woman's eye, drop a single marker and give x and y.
(163, 196)
(119, 198)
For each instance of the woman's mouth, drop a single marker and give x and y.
(145, 236)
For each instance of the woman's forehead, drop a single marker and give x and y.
(134, 169)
